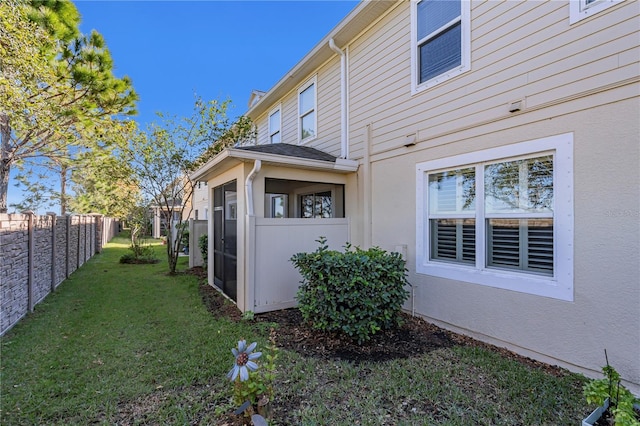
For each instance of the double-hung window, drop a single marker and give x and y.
(502, 217)
(307, 117)
(440, 39)
(275, 124)
(452, 215)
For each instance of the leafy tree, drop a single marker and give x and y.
(102, 182)
(164, 156)
(25, 66)
(58, 87)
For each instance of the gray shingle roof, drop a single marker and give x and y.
(291, 151)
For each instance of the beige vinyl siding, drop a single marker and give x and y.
(380, 70)
(515, 55)
(262, 125)
(328, 92)
(290, 118)
(328, 112)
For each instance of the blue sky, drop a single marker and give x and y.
(217, 49)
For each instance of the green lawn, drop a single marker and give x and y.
(128, 344)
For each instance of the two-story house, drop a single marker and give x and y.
(494, 144)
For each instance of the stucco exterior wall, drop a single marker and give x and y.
(606, 265)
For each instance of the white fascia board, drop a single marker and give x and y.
(340, 165)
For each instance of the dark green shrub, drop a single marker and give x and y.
(203, 244)
(356, 292)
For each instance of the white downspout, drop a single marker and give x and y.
(248, 290)
(344, 146)
(248, 185)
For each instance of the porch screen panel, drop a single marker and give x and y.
(218, 258)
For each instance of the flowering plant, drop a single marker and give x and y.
(244, 361)
(252, 388)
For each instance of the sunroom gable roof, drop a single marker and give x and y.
(291, 151)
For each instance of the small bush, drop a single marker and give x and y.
(184, 242)
(356, 292)
(203, 244)
(141, 252)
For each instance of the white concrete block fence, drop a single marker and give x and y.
(38, 252)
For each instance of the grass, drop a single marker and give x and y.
(129, 344)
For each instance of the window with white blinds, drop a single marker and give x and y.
(441, 40)
(452, 215)
(518, 214)
(491, 221)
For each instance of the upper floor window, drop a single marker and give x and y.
(307, 117)
(580, 9)
(275, 124)
(440, 39)
(500, 217)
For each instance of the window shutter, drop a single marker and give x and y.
(525, 244)
(469, 242)
(540, 253)
(445, 240)
(504, 243)
(453, 240)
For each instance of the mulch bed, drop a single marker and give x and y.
(413, 337)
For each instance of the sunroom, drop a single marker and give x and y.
(270, 202)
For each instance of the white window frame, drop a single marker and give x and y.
(465, 53)
(560, 285)
(273, 132)
(582, 9)
(312, 82)
(314, 189)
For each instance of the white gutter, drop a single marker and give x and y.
(344, 146)
(249, 186)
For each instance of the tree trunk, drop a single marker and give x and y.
(5, 161)
(63, 190)
(5, 168)
(172, 245)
